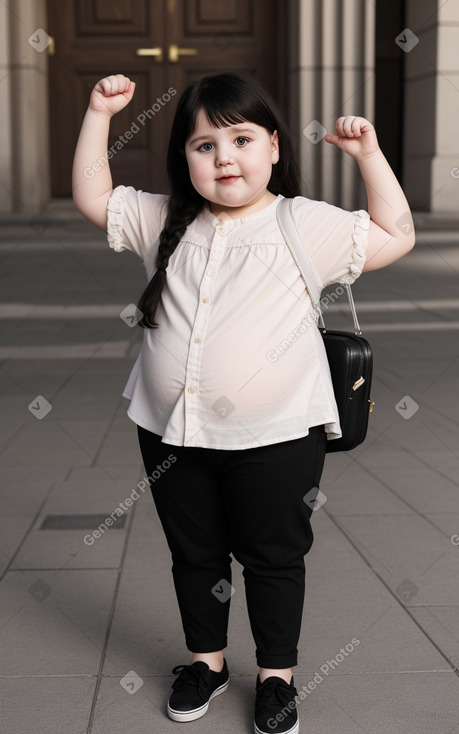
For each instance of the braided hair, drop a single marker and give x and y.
(227, 99)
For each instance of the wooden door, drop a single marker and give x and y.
(162, 45)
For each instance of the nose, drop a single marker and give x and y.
(224, 155)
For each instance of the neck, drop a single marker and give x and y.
(243, 211)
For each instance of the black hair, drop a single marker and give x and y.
(227, 99)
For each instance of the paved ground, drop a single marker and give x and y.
(83, 626)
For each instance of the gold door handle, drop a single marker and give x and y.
(175, 52)
(156, 52)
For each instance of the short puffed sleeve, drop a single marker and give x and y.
(135, 219)
(335, 239)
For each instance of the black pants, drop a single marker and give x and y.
(248, 502)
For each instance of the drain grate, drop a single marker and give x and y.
(81, 522)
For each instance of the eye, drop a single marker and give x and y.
(202, 147)
(246, 140)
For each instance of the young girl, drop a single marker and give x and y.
(227, 393)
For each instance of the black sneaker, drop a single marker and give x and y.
(273, 714)
(195, 687)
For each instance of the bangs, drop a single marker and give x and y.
(224, 106)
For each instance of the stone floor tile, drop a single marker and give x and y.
(54, 623)
(46, 704)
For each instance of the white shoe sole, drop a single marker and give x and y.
(294, 730)
(196, 713)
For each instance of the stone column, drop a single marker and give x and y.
(431, 132)
(6, 143)
(25, 102)
(336, 77)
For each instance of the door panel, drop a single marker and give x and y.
(93, 39)
(234, 35)
(124, 16)
(232, 16)
(96, 38)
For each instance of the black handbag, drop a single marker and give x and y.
(350, 356)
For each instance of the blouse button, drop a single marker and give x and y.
(205, 300)
(209, 272)
(191, 389)
(198, 341)
(220, 230)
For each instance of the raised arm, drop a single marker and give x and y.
(92, 183)
(391, 233)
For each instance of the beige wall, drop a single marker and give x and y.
(6, 142)
(24, 148)
(431, 115)
(335, 77)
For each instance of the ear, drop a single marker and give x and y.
(182, 152)
(274, 147)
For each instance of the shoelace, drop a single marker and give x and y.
(191, 674)
(273, 693)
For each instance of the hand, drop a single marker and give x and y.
(111, 94)
(356, 136)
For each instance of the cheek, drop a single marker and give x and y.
(197, 169)
(260, 163)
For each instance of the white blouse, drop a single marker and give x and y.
(235, 362)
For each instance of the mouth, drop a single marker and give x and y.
(228, 179)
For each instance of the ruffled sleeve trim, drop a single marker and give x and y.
(115, 211)
(360, 240)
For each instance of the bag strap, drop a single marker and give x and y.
(298, 251)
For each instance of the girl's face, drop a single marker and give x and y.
(231, 166)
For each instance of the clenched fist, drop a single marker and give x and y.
(111, 94)
(355, 136)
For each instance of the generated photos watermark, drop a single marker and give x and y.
(407, 40)
(128, 135)
(315, 132)
(131, 682)
(39, 40)
(407, 407)
(326, 668)
(40, 407)
(90, 538)
(223, 590)
(272, 355)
